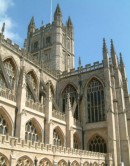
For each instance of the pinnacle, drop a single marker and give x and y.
(58, 10)
(69, 22)
(112, 47)
(121, 60)
(104, 46)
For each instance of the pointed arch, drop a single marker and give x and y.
(75, 163)
(76, 141)
(32, 85)
(58, 136)
(24, 160)
(69, 88)
(33, 130)
(11, 71)
(95, 100)
(45, 162)
(34, 75)
(97, 78)
(97, 144)
(6, 119)
(3, 160)
(62, 163)
(86, 163)
(52, 87)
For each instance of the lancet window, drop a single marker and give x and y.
(97, 144)
(10, 71)
(3, 126)
(73, 95)
(31, 132)
(95, 101)
(57, 138)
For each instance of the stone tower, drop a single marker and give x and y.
(52, 44)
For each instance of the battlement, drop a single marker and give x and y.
(87, 68)
(17, 143)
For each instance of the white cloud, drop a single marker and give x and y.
(9, 23)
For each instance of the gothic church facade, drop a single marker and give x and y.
(53, 114)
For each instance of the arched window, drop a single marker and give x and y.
(57, 138)
(86, 164)
(3, 125)
(95, 101)
(24, 161)
(10, 71)
(97, 144)
(73, 95)
(31, 132)
(76, 141)
(32, 84)
(3, 160)
(45, 162)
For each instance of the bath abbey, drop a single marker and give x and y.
(52, 113)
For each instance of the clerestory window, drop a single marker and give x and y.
(10, 71)
(97, 144)
(73, 96)
(31, 132)
(95, 101)
(56, 138)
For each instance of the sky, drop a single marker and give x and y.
(93, 20)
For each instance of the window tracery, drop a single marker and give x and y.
(10, 71)
(56, 138)
(33, 84)
(95, 100)
(97, 144)
(31, 132)
(24, 162)
(3, 125)
(2, 82)
(62, 163)
(3, 160)
(45, 162)
(76, 142)
(73, 95)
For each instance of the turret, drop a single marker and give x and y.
(31, 26)
(69, 26)
(58, 16)
(105, 55)
(113, 55)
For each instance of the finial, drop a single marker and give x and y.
(104, 46)
(121, 60)
(69, 22)
(3, 28)
(58, 10)
(112, 47)
(79, 62)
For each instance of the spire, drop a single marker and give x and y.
(58, 16)
(105, 54)
(3, 28)
(69, 22)
(121, 60)
(113, 55)
(58, 10)
(31, 27)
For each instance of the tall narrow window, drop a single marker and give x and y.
(31, 132)
(73, 95)
(57, 138)
(97, 144)
(10, 71)
(76, 141)
(95, 101)
(3, 125)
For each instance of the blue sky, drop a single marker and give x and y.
(93, 20)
